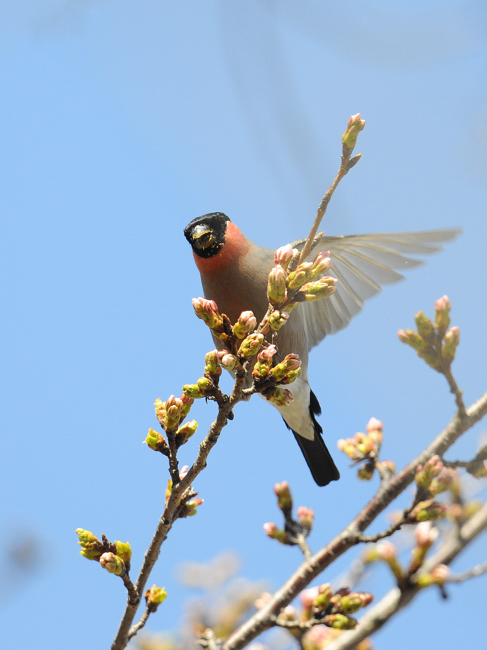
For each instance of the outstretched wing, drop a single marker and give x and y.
(362, 264)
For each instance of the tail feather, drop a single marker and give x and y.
(315, 452)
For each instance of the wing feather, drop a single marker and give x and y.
(362, 264)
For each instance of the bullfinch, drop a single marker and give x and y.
(234, 273)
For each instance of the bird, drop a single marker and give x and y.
(234, 273)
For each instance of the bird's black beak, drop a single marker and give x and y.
(202, 236)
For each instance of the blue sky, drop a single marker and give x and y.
(121, 122)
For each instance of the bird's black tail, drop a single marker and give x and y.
(315, 452)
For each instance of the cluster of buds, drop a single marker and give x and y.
(279, 396)
(386, 552)
(284, 372)
(171, 414)
(366, 447)
(293, 527)
(434, 342)
(333, 609)
(288, 286)
(154, 597)
(434, 477)
(189, 508)
(426, 535)
(113, 557)
(207, 310)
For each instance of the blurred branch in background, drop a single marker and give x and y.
(21, 559)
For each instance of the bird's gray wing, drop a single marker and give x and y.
(362, 264)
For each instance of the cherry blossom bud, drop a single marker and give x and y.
(287, 369)
(442, 315)
(452, 339)
(277, 319)
(340, 622)
(186, 402)
(284, 498)
(245, 324)
(264, 362)
(426, 535)
(443, 481)
(272, 531)
(424, 325)
(305, 516)
(413, 339)
(207, 310)
(185, 431)
(112, 563)
(321, 288)
(264, 598)
(183, 471)
(155, 440)
(284, 255)
(124, 551)
(250, 345)
(308, 597)
(322, 264)
(191, 507)
(387, 552)
(323, 597)
(387, 467)
(354, 126)
(374, 425)
(160, 410)
(91, 547)
(351, 603)
(318, 637)
(280, 396)
(227, 360)
(276, 286)
(431, 469)
(173, 413)
(428, 511)
(155, 596)
(212, 366)
(193, 390)
(438, 576)
(300, 276)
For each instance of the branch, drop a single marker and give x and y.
(350, 536)
(471, 573)
(396, 599)
(168, 516)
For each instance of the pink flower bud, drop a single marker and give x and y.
(386, 551)
(308, 597)
(374, 425)
(354, 126)
(305, 516)
(245, 324)
(442, 314)
(183, 471)
(425, 534)
(284, 255)
(276, 286)
(322, 264)
(207, 310)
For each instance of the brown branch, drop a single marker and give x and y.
(133, 594)
(140, 623)
(168, 516)
(350, 536)
(457, 392)
(396, 599)
(367, 539)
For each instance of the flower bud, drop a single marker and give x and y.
(413, 339)
(192, 505)
(276, 286)
(322, 264)
(207, 310)
(193, 390)
(112, 563)
(374, 425)
(155, 440)
(204, 384)
(354, 126)
(424, 325)
(185, 431)
(212, 366)
(124, 551)
(250, 345)
(452, 339)
(91, 547)
(284, 498)
(183, 471)
(323, 597)
(443, 481)
(246, 323)
(264, 362)
(351, 603)
(438, 576)
(321, 288)
(160, 410)
(426, 535)
(155, 595)
(428, 511)
(272, 531)
(186, 404)
(305, 517)
(173, 413)
(442, 315)
(387, 467)
(340, 622)
(280, 396)
(284, 255)
(277, 319)
(431, 469)
(300, 276)
(288, 365)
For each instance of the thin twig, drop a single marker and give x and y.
(396, 599)
(350, 536)
(466, 575)
(367, 539)
(140, 623)
(456, 391)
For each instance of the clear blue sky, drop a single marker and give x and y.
(119, 123)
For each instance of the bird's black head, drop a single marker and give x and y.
(206, 234)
